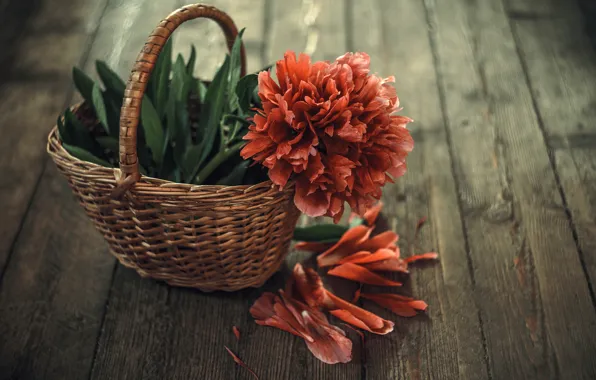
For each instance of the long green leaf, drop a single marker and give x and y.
(84, 155)
(110, 79)
(236, 175)
(80, 134)
(108, 143)
(154, 135)
(190, 66)
(244, 90)
(200, 89)
(211, 117)
(235, 69)
(100, 107)
(64, 132)
(83, 83)
(320, 233)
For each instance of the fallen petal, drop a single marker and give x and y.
(240, 362)
(236, 332)
(359, 317)
(358, 273)
(357, 295)
(400, 305)
(423, 256)
(345, 246)
(389, 265)
(312, 246)
(372, 213)
(385, 239)
(367, 257)
(330, 345)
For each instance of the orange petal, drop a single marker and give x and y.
(389, 265)
(357, 295)
(345, 246)
(358, 273)
(356, 256)
(236, 332)
(423, 256)
(330, 345)
(372, 213)
(400, 305)
(385, 239)
(309, 286)
(265, 312)
(240, 362)
(367, 257)
(312, 246)
(359, 316)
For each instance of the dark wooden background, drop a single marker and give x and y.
(504, 97)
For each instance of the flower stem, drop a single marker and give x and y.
(219, 159)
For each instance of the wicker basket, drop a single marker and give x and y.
(205, 237)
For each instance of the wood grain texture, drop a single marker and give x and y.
(43, 82)
(561, 69)
(55, 285)
(534, 299)
(447, 344)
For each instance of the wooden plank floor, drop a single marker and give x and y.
(504, 97)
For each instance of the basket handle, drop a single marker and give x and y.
(137, 83)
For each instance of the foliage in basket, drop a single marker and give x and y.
(190, 131)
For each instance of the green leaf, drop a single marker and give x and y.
(113, 107)
(80, 134)
(100, 107)
(84, 155)
(200, 89)
(320, 233)
(63, 132)
(154, 135)
(108, 143)
(160, 79)
(235, 68)
(245, 89)
(236, 175)
(211, 117)
(110, 79)
(190, 66)
(83, 83)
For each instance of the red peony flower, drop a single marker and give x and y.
(329, 126)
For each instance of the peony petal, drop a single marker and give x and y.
(315, 204)
(422, 256)
(280, 173)
(236, 332)
(400, 305)
(309, 286)
(355, 257)
(330, 345)
(240, 362)
(357, 295)
(358, 273)
(265, 309)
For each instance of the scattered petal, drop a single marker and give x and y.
(389, 265)
(359, 317)
(357, 294)
(359, 273)
(365, 257)
(372, 213)
(423, 256)
(330, 344)
(398, 304)
(240, 362)
(236, 332)
(419, 225)
(345, 246)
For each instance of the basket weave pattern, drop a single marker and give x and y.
(206, 237)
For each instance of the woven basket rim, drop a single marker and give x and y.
(53, 136)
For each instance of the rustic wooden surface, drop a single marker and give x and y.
(504, 97)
